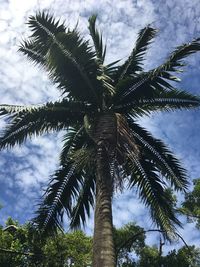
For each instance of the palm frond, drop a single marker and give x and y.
(100, 50)
(71, 142)
(75, 139)
(153, 194)
(59, 196)
(35, 121)
(160, 101)
(97, 39)
(45, 20)
(35, 51)
(84, 157)
(10, 109)
(163, 159)
(84, 202)
(72, 65)
(37, 46)
(155, 80)
(134, 62)
(65, 191)
(111, 69)
(69, 60)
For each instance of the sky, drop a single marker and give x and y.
(25, 170)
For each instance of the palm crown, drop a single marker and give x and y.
(98, 111)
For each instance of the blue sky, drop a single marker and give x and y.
(25, 170)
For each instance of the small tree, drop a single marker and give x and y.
(22, 246)
(191, 205)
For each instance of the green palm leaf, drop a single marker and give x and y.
(35, 51)
(59, 195)
(134, 62)
(84, 202)
(68, 184)
(97, 39)
(47, 21)
(100, 50)
(72, 65)
(36, 48)
(154, 195)
(154, 80)
(164, 160)
(75, 139)
(10, 109)
(72, 141)
(66, 56)
(26, 122)
(160, 101)
(152, 192)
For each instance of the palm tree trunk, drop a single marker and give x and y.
(103, 245)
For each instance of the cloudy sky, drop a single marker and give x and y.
(24, 170)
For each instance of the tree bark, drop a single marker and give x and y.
(103, 245)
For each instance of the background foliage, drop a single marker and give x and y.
(21, 247)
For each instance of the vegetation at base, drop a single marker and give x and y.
(21, 247)
(191, 205)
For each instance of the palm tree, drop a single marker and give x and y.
(103, 146)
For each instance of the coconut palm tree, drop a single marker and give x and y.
(103, 145)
